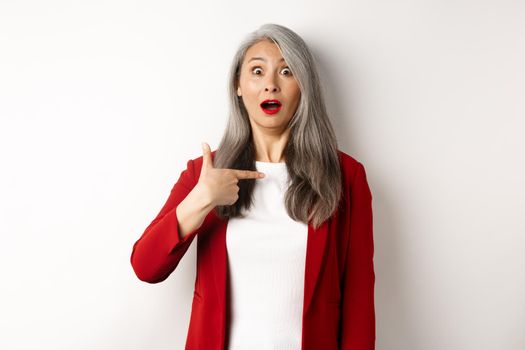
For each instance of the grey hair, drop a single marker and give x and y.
(311, 153)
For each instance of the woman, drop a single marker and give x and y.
(284, 218)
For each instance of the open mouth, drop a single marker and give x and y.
(271, 106)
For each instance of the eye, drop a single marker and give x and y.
(287, 69)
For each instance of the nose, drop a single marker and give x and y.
(271, 84)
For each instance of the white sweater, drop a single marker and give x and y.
(266, 259)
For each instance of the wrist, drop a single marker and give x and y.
(202, 198)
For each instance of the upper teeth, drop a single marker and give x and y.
(272, 102)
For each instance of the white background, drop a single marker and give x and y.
(103, 102)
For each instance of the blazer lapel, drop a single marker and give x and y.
(220, 269)
(315, 249)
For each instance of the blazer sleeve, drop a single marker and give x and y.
(358, 311)
(160, 248)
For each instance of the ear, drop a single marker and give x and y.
(238, 87)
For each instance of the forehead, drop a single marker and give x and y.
(263, 51)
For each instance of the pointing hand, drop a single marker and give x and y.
(220, 185)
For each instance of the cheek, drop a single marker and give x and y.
(294, 90)
(252, 86)
(297, 96)
(251, 93)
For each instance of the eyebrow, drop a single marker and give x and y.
(262, 59)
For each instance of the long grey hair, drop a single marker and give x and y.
(311, 153)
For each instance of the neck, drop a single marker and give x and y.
(270, 148)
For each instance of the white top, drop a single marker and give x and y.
(266, 259)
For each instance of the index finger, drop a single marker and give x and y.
(247, 174)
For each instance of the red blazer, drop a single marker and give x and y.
(338, 309)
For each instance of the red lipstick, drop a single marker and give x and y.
(271, 106)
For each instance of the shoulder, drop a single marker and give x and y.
(350, 166)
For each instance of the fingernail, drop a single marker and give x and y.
(262, 175)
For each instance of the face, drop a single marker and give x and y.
(266, 76)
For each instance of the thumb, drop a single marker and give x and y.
(207, 162)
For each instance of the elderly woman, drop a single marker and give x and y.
(283, 217)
